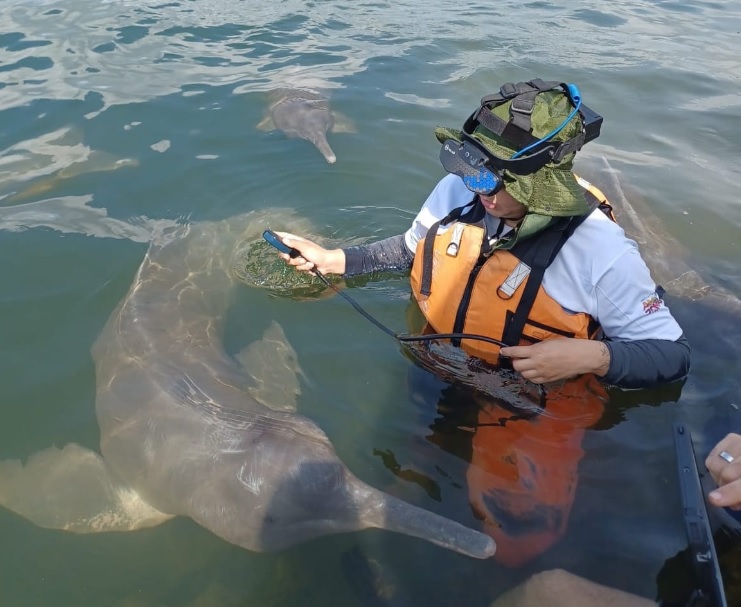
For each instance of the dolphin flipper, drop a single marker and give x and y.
(73, 490)
(342, 124)
(273, 366)
(266, 124)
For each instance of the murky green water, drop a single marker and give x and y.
(147, 110)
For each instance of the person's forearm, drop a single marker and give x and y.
(387, 254)
(600, 362)
(639, 364)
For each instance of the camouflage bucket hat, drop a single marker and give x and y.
(551, 191)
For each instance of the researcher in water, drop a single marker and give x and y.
(513, 246)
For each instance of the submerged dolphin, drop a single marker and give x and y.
(690, 296)
(665, 257)
(187, 430)
(306, 115)
(37, 167)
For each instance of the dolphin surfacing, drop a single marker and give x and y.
(302, 114)
(187, 430)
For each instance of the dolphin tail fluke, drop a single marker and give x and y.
(402, 517)
(71, 489)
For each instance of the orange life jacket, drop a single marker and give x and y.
(524, 469)
(463, 287)
(524, 472)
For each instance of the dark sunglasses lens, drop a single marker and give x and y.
(467, 162)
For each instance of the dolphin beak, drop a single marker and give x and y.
(387, 512)
(323, 146)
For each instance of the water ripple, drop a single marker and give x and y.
(131, 51)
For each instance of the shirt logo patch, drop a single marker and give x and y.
(652, 303)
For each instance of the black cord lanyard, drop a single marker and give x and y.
(399, 336)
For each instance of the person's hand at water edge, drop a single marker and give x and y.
(727, 474)
(554, 359)
(313, 256)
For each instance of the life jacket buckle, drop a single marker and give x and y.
(455, 240)
(516, 277)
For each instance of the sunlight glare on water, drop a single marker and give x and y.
(120, 117)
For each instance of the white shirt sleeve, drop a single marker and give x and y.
(601, 272)
(628, 307)
(448, 194)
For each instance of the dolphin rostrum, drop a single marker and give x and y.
(186, 429)
(302, 114)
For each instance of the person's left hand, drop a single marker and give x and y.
(560, 358)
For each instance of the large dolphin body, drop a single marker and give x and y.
(665, 256)
(186, 429)
(303, 114)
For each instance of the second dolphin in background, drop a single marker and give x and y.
(303, 114)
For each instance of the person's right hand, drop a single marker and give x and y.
(313, 256)
(726, 474)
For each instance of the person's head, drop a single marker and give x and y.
(503, 205)
(519, 146)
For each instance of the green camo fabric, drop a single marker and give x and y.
(550, 192)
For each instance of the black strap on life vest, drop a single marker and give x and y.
(538, 254)
(471, 212)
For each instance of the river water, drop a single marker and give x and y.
(128, 112)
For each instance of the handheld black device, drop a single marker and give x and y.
(699, 534)
(275, 241)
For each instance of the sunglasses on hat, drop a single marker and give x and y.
(472, 165)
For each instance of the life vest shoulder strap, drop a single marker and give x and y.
(541, 253)
(471, 212)
(425, 283)
(538, 255)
